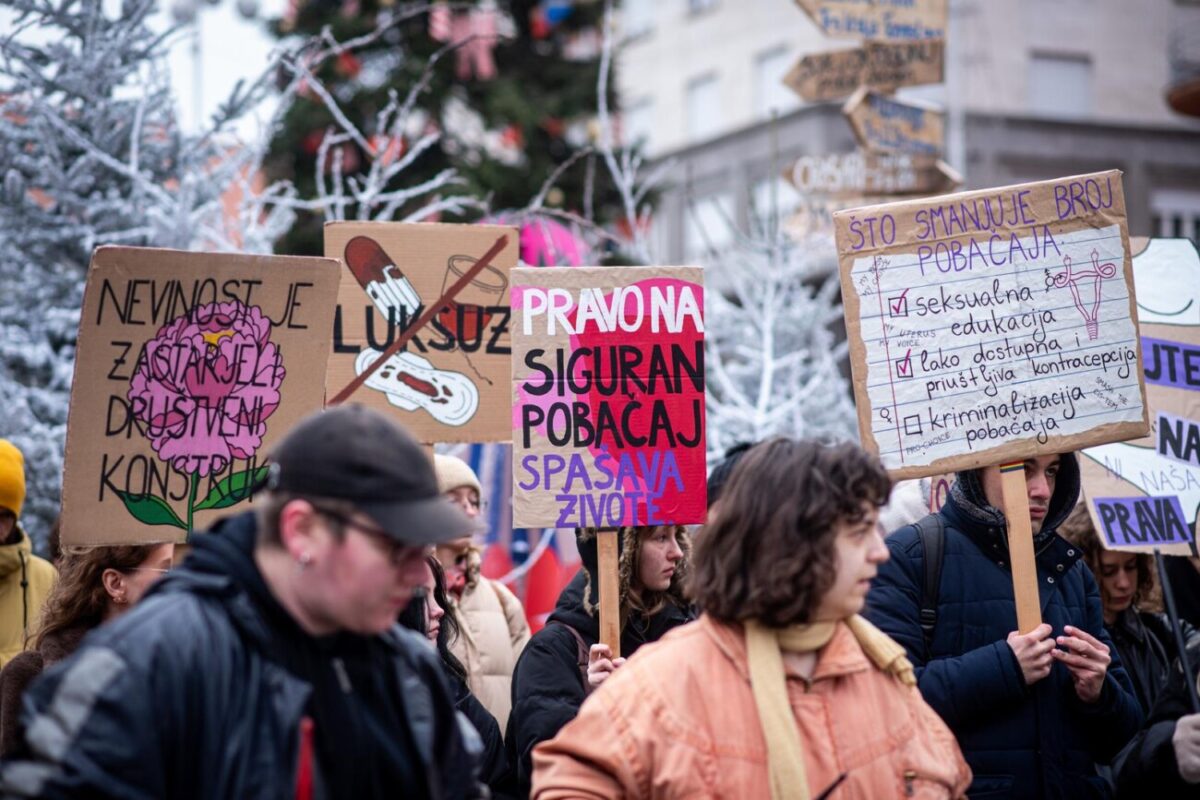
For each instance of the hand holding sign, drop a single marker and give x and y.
(601, 664)
(1033, 652)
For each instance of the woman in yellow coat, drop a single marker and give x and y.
(25, 579)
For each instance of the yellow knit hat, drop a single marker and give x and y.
(12, 477)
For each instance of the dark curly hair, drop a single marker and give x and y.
(768, 554)
(413, 618)
(1079, 531)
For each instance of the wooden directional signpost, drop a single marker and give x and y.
(990, 327)
(881, 20)
(885, 123)
(885, 66)
(868, 172)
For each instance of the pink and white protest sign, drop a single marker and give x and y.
(608, 396)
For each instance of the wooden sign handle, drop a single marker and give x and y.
(610, 601)
(1020, 546)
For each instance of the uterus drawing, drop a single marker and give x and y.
(1085, 288)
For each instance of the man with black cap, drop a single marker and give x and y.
(269, 665)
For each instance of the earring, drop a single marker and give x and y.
(303, 562)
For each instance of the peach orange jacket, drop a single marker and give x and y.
(678, 721)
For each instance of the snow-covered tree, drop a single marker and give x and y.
(772, 360)
(91, 153)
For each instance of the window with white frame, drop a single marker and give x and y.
(708, 226)
(772, 200)
(770, 93)
(1175, 214)
(1060, 85)
(703, 106)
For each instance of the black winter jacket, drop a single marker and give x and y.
(493, 762)
(1147, 648)
(1021, 741)
(548, 684)
(1147, 766)
(181, 698)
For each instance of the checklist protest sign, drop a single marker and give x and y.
(993, 326)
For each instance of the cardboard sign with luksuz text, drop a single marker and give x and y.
(190, 366)
(608, 396)
(994, 325)
(449, 383)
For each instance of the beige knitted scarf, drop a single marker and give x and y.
(764, 652)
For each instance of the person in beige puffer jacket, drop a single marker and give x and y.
(492, 624)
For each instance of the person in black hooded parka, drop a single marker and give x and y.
(551, 679)
(1033, 713)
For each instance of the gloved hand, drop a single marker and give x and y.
(1187, 747)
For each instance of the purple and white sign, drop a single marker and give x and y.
(1139, 522)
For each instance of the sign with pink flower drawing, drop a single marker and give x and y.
(189, 367)
(449, 382)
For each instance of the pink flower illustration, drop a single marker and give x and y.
(205, 386)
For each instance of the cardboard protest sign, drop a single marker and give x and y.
(879, 19)
(190, 366)
(866, 172)
(449, 383)
(885, 123)
(608, 396)
(993, 325)
(1145, 494)
(885, 66)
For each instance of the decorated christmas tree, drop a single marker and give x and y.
(502, 93)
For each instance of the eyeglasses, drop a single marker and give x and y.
(396, 551)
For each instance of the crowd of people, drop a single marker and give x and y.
(339, 640)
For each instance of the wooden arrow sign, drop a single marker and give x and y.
(865, 172)
(881, 65)
(885, 123)
(880, 20)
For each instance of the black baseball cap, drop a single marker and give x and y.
(350, 452)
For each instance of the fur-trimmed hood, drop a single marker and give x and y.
(628, 546)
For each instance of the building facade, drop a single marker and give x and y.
(1035, 89)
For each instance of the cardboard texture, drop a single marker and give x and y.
(1145, 493)
(880, 122)
(449, 383)
(893, 20)
(190, 367)
(865, 172)
(886, 66)
(608, 396)
(992, 326)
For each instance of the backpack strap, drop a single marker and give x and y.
(581, 654)
(931, 530)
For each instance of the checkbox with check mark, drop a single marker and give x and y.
(904, 368)
(898, 305)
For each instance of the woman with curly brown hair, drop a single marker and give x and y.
(564, 662)
(1132, 608)
(780, 690)
(95, 584)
